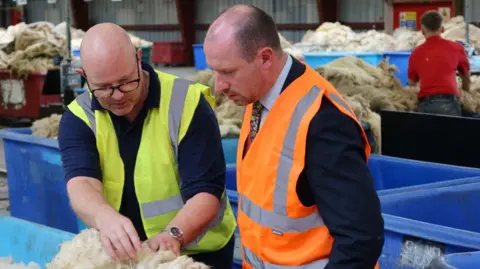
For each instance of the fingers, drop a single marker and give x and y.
(119, 249)
(107, 244)
(163, 245)
(126, 245)
(133, 236)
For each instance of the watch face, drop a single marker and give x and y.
(176, 232)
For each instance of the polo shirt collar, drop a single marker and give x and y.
(153, 97)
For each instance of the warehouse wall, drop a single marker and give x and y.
(283, 11)
(40, 10)
(138, 12)
(361, 10)
(475, 10)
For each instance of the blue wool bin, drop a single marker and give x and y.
(391, 173)
(400, 60)
(199, 57)
(316, 59)
(26, 241)
(424, 224)
(37, 187)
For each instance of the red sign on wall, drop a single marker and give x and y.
(409, 14)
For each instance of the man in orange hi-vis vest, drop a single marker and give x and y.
(307, 198)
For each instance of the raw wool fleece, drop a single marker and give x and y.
(330, 37)
(47, 127)
(30, 48)
(229, 115)
(85, 250)
(369, 89)
(7, 263)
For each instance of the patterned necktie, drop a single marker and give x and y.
(255, 121)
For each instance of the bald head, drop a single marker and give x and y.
(250, 27)
(106, 43)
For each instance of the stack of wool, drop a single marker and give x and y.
(30, 48)
(7, 263)
(86, 251)
(370, 89)
(47, 127)
(330, 37)
(229, 115)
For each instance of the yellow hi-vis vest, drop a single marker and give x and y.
(157, 183)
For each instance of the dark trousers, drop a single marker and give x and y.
(441, 104)
(221, 259)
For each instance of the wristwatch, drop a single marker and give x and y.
(176, 233)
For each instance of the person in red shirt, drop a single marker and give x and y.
(435, 64)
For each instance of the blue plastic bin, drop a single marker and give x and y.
(400, 60)
(199, 57)
(230, 150)
(316, 59)
(391, 173)
(29, 242)
(36, 181)
(425, 224)
(468, 260)
(37, 188)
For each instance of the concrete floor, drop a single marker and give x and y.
(4, 203)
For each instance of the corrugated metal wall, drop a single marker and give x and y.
(40, 10)
(475, 10)
(138, 12)
(361, 10)
(283, 11)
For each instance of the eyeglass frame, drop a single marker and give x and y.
(116, 87)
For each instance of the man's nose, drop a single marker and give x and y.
(220, 86)
(117, 95)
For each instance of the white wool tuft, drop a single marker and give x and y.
(85, 251)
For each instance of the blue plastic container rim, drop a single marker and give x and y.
(432, 232)
(447, 183)
(337, 53)
(25, 135)
(397, 53)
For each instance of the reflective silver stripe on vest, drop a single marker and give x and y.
(85, 102)
(177, 102)
(257, 263)
(340, 101)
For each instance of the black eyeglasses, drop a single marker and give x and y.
(124, 87)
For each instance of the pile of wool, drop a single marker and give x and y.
(85, 250)
(229, 115)
(47, 127)
(330, 37)
(289, 48)
(471, 100)
(455, 30)
(7, 263)
(369, 89)
(30, 48)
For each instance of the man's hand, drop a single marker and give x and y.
(163, 241)
(118, 235)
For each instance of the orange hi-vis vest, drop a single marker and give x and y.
(276, 230)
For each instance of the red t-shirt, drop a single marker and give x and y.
(434, 64)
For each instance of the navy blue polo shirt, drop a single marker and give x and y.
(201, 161)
